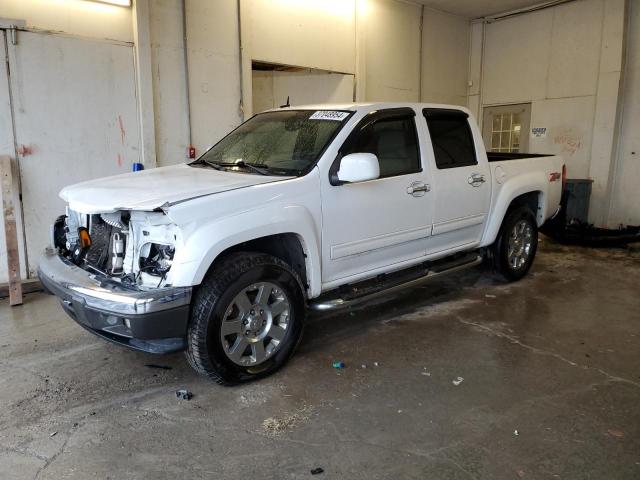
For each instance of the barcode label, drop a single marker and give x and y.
(329, 115)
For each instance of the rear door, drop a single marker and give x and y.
(461, 182)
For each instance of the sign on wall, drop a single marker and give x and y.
(539, 132)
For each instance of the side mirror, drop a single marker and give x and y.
(358, 167)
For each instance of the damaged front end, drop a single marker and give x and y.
(134, 248)
(113, 274)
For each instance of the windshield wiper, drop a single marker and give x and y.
(215, 165)
(249, 166)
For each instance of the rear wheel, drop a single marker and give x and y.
(516, 245)
(247, 318)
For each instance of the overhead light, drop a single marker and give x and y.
(121, 3)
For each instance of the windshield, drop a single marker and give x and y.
(284, 143)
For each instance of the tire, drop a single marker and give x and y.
(519, 231)
(247, 318)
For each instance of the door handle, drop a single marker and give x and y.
(476, 179)
(418, 189)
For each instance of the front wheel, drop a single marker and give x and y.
(515, 248)
(247, 318)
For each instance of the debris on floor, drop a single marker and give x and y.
(364, 365)
(184, 394)
(615, 433)
(53, 434)
(375, 364)
(488, 295)
(516, 433)
(274, 426)
(160, 367)
(317, 471)
(338, 364)
(457, 381)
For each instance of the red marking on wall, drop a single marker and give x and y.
(123, 132)
(120, 160)
(25, 150)
(571, 142)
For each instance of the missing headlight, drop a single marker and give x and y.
(156, 259)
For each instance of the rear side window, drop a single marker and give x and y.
(451, 138)
(393, 140)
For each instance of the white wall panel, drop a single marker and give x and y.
(75, 119)
(214, 70)
(76, 17)
(315, 33)
(7, 147)
(445, 58)
(169, 83)
(516, 58)
(574, 60)
(392, 51)
(569, 123)
(626, 194)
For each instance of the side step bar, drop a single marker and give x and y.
(355, 294)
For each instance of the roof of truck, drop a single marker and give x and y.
(368, 106)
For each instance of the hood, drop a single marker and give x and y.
(157, 187)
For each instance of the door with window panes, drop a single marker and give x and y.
(505, 128)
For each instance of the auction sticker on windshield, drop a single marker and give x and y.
(329, 115)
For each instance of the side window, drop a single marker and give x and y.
(393, 140)
(451, 138)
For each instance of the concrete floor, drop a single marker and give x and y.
(551, 389)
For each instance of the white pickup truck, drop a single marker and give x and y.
(315, 207)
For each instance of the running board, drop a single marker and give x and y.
(350, 295)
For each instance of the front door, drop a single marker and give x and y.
(374, 224)
(462, 183)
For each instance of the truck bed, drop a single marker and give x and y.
(503, 156)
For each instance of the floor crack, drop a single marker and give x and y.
(541, 351)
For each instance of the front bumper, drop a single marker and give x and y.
(153, 321)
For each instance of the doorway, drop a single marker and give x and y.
(273, 84)
(69, 114)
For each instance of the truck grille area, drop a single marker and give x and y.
(96, 256)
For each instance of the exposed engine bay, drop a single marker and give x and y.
(135, 248)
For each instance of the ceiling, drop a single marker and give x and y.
(478, 8)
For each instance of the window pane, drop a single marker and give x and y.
(515, 141)
(496, 122)
(451, 138)
(504, 141)
(495, 140)
(394, 141)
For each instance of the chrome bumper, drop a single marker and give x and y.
(64, 279)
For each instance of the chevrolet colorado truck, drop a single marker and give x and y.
(316, 207)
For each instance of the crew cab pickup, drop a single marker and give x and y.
(318, 207)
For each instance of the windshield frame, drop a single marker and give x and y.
(314, 162)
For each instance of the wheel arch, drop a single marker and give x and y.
(529, 193)
(287, 246)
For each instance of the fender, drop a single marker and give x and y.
(203, 245)
(512, 188)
